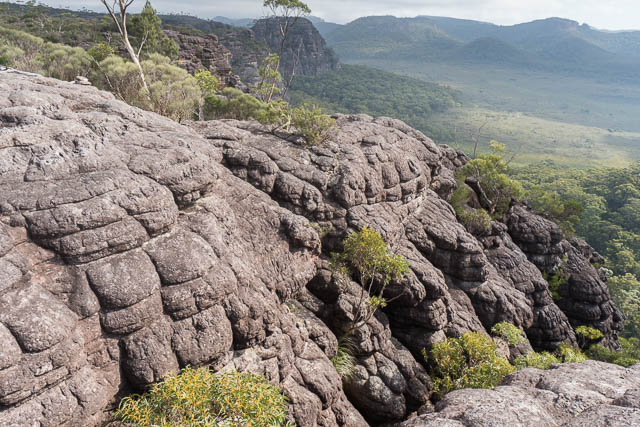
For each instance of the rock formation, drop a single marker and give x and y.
(131, 246)
(582, 394)
(305, 51)
(205, 52)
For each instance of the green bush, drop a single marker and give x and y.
(490, 170)
(569, 354)
(232, 103)
(173, 92)
(466, 362)
(542, 360)
(367, 256)
(629, 354)
(511, 333)
(4, 61)
(344, 362)
(198, 397)
(477, 221)
(29, 53)
(312, 123)
(587, 336)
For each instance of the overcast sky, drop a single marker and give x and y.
(605, 14)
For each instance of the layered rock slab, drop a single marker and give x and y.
(583, 394)
(128, 252)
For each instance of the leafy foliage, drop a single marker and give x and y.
(146, 33)
(469, 361)
(490, 171)
(569, 354)
(198, 397)
(628, 356)
(509, 332)
(477, 221)
(29, 53)
(312, 123)
(542, 360)
(367, 256)
(344, 361)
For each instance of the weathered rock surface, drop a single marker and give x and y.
(583, 394)
(205, 52)
(128, 251)
(305, 51)
(131, 246)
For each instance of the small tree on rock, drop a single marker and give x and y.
(367, 256)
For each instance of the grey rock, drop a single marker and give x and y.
(582, 394)
(132, 246)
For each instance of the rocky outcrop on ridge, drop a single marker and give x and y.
(205, 52)
(305, 51)
(131, 246)
(582, 394)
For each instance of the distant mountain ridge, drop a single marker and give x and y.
(552, 44)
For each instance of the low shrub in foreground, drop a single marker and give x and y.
(198, 397)
(511, 333)
(469, 361)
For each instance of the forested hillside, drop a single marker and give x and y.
(609, 221)
(360, 89)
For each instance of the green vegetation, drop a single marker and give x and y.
(490, 172)
(477, 221)
(344, 360)
(356, 89)
(610, 200)
(312, 124)
(542, 360)
(367, 257)
(629, 354)
(469, 361)
(557, 279)
(198, 397)
(568, 354)
(511, 333)
(30, 53)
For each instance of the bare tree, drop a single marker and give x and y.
(119, 17)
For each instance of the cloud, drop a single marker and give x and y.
(599, 13)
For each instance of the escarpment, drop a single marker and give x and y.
(131, 246)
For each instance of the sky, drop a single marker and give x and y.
(604, 14)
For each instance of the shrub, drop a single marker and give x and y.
(511, 333)
(367, 255)
(570, 354)
(490, 170)
(589, 332)
(29, 53)
(557, 280)
(233, 104)
(344, 361)
(477, 221)
(123, 79)
(629, 354)
(100, 51)
(173, 92)
(198, 397)
(542, 360)
(4, 61)
(466, 362)
(312, 124)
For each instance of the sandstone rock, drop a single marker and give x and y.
(584, 394)
(132, 246)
